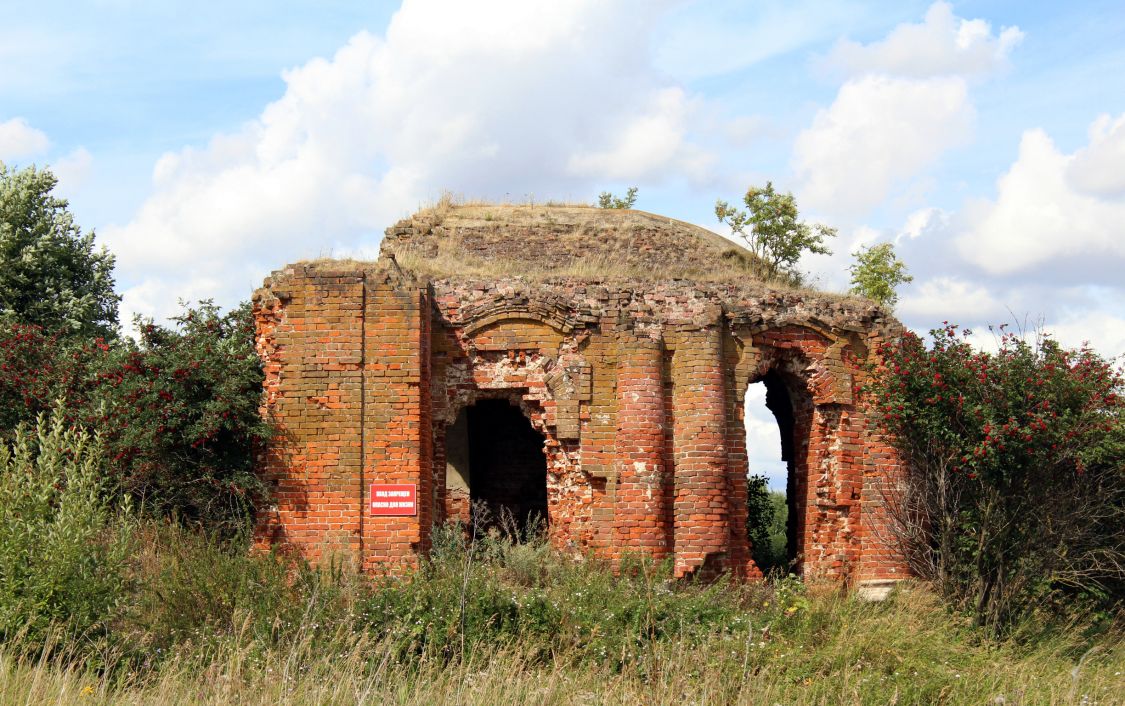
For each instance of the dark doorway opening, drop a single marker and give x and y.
(507, 468)
(773, 514)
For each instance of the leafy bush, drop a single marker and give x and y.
(178, 409)
(878, 273)
(608, 200)
(36, 369)
(1015, 482)
(181, 417)
(63, 547)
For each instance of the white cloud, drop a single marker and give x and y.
(505, 97)
(1104, 331)
(950, 298)
(647, 143)
(1039, 219)
(921, 223)
(18, 140)
(1099, 168)
(763, 439)
(942, 44)
(73, 169)
(712, 37)
(879, 132)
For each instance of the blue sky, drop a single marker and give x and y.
(211, 143)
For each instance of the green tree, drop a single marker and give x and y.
(608, 200)
(50, 273)
(766, 517)
(770, 228)
(877, 274)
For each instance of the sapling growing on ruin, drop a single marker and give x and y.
(608, 200)
(878, 273)
(771, 229)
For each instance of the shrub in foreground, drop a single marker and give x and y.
(177, 409)
(63, 547)
(1014, 495)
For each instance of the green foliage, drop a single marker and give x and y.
(878, 273)
(63, 548)
(495, 622)
(771, 230)
(38, 368)
(767, 512)
(180, 415)
(608, 200)
(1015, 492)
(178, 409)
(50, 274)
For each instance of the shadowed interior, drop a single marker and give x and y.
(507, 466)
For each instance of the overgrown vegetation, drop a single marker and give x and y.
(176, 409)
(1014, 495)
(767, 513)
(63, 546)
(184, 617)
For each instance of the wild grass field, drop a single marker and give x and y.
(497, 622)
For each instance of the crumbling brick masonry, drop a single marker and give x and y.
(583, 364)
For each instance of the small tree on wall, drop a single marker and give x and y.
(878, 273)
(608, 200)
(771, 229)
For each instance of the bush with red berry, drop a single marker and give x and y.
(1014, 490)
(177, 409)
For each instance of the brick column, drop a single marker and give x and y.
(309, 326)
(397, 423)
(700, 508)
(640, 515)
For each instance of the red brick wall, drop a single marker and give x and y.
(636, 388)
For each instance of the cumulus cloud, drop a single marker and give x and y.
(73, 169)
(942, 44)
(905, 104)
(1099, 168)
(879, 132)
(494, 99)
(951, 298)
(763, 439)
(1050, 211)
(18, 140)
(1102, 330)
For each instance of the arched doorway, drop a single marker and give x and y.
(506, 467)
(776, 440)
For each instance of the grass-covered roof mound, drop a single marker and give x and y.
(562, 240)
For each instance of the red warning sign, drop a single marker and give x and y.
(387, 499)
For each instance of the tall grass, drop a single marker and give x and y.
(213, 624)
(189, 618)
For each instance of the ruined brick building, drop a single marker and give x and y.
(585, 365)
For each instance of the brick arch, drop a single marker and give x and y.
(563, 317)
(507, 359)
(454, 500)
(827, 473)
